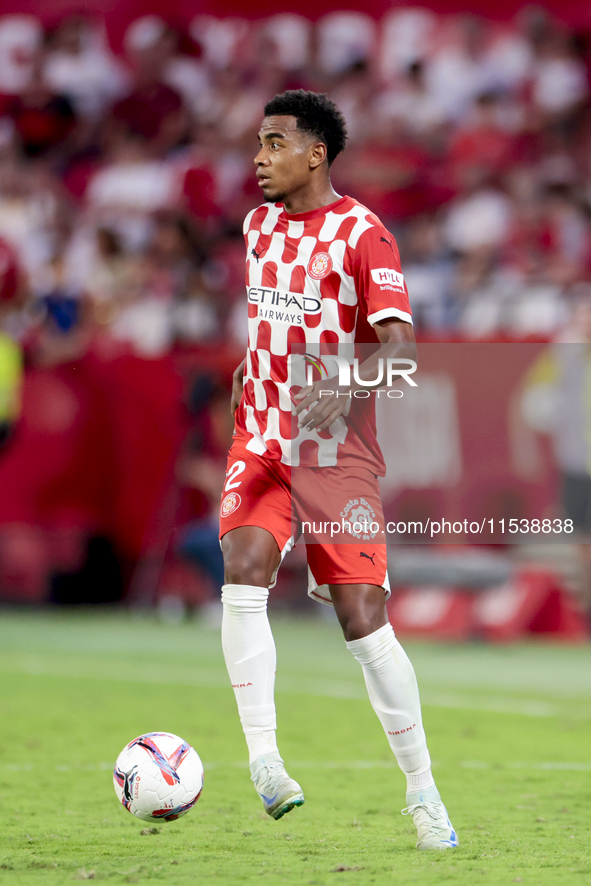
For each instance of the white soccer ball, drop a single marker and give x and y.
(158, 776)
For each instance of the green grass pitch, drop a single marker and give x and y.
(508, 730)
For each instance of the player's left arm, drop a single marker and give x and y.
(395, 331)
(398, 342)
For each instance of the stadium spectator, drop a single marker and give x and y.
(30, 212)
(152, 111)
(559, 78)
(344, 40)
(458, 71)
(79, 64)
(412, 102)
(42, 119)
(386, 171)
(479, 218)
(21, 37)
(482, 147)
(428, 271)
(129, 187)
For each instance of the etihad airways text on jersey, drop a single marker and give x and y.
(262, 295)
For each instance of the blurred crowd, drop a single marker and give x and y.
(125, 177)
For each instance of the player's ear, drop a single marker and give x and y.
(317, 154)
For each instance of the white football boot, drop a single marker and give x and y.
(277, 790)
(434, 829)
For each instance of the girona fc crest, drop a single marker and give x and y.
(320, 265)
(359, 519)
(231, 503)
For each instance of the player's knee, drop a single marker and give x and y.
(357, 627)
(357, 623)
(360, 609)
(246, 567)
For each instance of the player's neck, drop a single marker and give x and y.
(312, 197)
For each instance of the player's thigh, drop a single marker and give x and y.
(251, 556)
(255, 518)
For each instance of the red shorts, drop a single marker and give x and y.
(337, 510)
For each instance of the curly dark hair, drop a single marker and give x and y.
(315, 113)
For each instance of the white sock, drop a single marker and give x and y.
(260, 744)
(249, 651)
(394, 695)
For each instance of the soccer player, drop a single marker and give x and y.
(321, 269)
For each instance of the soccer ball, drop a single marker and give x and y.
(158, 776)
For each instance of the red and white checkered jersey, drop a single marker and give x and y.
(318, 278)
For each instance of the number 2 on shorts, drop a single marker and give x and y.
(234, 472)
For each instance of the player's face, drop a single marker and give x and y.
(283, 161)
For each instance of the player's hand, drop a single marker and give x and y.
(323, 409)
(237, 386)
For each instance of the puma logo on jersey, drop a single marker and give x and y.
(256, 254)
(384, 240)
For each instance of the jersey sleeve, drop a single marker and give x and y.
(380, 286)
(247, 221)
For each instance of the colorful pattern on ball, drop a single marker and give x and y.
(167, 767)
(126, 780)
(158, 777)
(172, 814)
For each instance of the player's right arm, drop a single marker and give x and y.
(237, 386)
